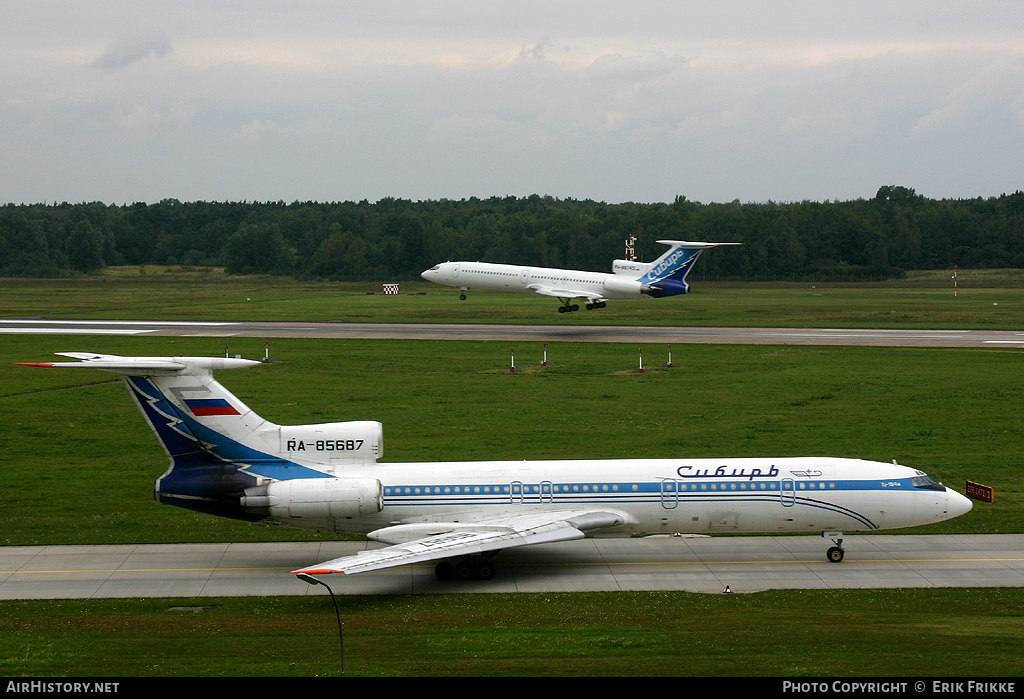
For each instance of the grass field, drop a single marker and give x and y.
(986, 299)
(793, 634)
(79, 464)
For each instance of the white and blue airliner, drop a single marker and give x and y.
(629, 279)
(226, 460)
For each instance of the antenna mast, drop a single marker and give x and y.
(631, 248)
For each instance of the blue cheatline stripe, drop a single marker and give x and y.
(626, 488)
(644, 493)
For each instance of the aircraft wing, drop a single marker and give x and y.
(432, 541)
(564, 293)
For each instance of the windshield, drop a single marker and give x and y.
(927, 482)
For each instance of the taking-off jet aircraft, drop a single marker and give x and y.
(226, 460)
(630, 279)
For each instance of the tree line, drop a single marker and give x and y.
(395, 239)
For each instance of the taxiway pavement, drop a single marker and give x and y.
(744, 564)
(526, 333)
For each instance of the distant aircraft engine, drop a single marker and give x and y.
(619, 285)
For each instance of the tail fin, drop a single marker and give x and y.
(218, 447)
(666, 276)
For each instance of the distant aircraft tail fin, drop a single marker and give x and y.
(666, 276)
(217, 446)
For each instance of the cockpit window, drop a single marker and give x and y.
(927, 482)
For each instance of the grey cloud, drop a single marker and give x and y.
(718, 101)
(133, 49)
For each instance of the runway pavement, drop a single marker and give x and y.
(526, 333)
(745, 564)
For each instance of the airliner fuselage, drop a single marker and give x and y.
(804, 494)
(629, 279)
(511, 278)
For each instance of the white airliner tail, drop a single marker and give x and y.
(666, 276)
(217, 446)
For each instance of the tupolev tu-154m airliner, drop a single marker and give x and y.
(629, 279)
(226, 460)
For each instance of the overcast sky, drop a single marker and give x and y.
(756, 100)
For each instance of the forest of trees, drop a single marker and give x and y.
(395, 239)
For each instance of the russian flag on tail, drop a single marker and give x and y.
(202, 407)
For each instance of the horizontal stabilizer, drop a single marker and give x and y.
(689, 245)
(143, 366)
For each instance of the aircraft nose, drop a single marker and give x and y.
(957, 504)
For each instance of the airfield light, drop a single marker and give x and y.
(307, 578)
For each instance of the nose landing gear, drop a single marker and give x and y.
(835, 553)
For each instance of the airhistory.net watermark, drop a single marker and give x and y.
(56, 687)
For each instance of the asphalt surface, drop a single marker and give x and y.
(528, 333)
(703, 564)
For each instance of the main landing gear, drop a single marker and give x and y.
(474, 568)
(835, 554)
(568, 306)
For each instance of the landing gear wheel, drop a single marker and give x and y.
(835, 554)
(468, 569)
(444, 571)
(464, 570)
(462, 297)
